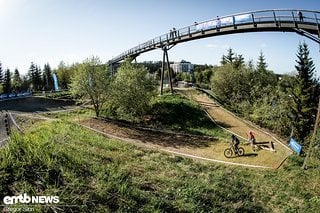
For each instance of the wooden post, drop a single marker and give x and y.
(313, 138)
(7, 124)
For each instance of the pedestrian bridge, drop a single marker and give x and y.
(307, 23)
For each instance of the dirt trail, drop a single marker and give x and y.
(190, 146)
(198, 147)
(229, 121)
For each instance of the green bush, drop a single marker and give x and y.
(131, 92)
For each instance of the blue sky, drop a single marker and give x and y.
(71, 30)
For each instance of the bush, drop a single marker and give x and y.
(132, 91)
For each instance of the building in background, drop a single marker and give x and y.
(182, 66)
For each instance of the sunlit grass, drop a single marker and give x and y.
(98, 174)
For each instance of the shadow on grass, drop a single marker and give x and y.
(250, 155)
(162, 138)
(245, 155)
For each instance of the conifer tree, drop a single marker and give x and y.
(37, 79)
(238, 61)
(223, 60)
(16, 81)
(304, 95)
(1, 74)
(34, 74)
(230, 57)
(47, 77)
(7, 81)
(31, 74)
(261, 65)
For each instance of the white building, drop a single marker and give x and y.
(182, 66)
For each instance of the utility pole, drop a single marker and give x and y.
(313, 138)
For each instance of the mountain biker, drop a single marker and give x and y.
(236, 142)
(252, 139)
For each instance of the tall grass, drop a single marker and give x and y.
(91, 173)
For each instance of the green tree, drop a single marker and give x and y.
(186, 77)
(1, 78)
(229, 58)
(34, 74)
(250, 65)
(303, 94)
(261, 65)
(132, 90)
(7, 81)
(238, 61)
(25, 86)
(65, 74)
(223, 60)
(16, 81)
(91, 81)
(264, 80)
(272, 111)
(232, 85)
(31, 71)
(47, 77)
(1, 74)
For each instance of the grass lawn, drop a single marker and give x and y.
(98, 174)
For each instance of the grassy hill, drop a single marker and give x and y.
(92, 173)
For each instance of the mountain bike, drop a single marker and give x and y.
(229, 152)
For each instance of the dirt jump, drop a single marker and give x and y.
(238, 126)
(199, 147)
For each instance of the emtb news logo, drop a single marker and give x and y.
(25, 199)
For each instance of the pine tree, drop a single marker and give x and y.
(263, 79)
(1, 74)
(47, 77)
(304, 107)
(17, 81)
(250, 65)
(223, 60)
(230, 57)
(34, 75)
(25, 86)
(37, 79)
(261, 65)
(238, 61)
(31, 75)
(7, 81)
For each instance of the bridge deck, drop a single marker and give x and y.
(257, 21)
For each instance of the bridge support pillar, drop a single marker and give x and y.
(165, 61)
(112, 69)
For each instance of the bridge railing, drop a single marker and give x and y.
(255, 17)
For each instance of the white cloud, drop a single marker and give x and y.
(225, 46)
(263, 45)
(220, 46)
(211, 45)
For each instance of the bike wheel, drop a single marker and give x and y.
(240, 151)
(227, 153)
